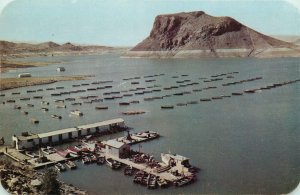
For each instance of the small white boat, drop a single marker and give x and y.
(60, 69)
(23, 75)
(76, 112)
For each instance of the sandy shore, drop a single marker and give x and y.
(8, 62)
(12, 65)
(10, 83)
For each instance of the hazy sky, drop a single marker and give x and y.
(127, 22)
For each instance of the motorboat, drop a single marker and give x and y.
(45, 109)
(86, 160)
(152, 180)
(167, 107)
(133, 112)
(162, 182)
(129, 170)
(60, 167)
(76, 112)
(101, 107)
(113, 163)
(93, 158)
(24, 112)
(34, 120)
(138, 177)
(56, 116)
(124, 103)
(185, 180)
(100, 160)
(205, 99)
(17, 107)
(237, 93)
(25, 99)
(71, 164)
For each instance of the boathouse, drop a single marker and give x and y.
(30, 140)
(116, 148)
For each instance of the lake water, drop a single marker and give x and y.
(243, 144)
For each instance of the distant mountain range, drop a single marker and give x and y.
(10, 48)
(197, 34)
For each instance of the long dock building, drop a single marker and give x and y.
(30, 140)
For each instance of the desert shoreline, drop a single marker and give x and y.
(11, 83)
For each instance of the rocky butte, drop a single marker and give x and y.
(197, 34)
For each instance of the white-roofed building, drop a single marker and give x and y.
(100, 126)
(30, 140)
(26, 140)
(116, 148)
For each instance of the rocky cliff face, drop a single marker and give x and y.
(199, 31)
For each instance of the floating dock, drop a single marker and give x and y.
(167, 175)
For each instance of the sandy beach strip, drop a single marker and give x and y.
(10, 83)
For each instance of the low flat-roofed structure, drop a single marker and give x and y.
(29, 140)
(116, 148)
(114, 143)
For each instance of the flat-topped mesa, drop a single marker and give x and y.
(199, 31)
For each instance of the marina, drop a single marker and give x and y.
(200, 133)
(115, 152)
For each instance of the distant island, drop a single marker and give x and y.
(197, 34)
